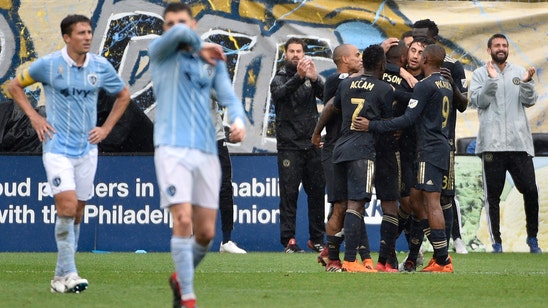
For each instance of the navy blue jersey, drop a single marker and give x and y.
(459, 80)
(429, 110)
(333, 126)
(363, 96)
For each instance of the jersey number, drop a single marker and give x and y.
(445, 111)
(359, 102)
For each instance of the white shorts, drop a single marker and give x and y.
(187, 175)
(66, 173)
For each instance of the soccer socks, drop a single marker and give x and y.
(181, 252)
(64, 237)
(364, 249)
(439, 243)
(403, 223)
(448, 216)
(352, 234)
(389, 229)
(76, 236)
(416, 236)
(334, 246)
(198, 251)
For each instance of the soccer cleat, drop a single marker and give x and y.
(323, 257)
(459, 246)
(368, 263)
(174, 284)
(292, 247)
(230, 247)
(533, 245)
(356, 267)
(57, 286)
(393, 260)
(420, 257)
(317, 247)
(409, 266)
(434, 267)
(189, 303)
(497, 248)
(333, 266)
(385, 268)
(75, 283)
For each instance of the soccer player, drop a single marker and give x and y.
(354, 152)
(428, 108)
(294, 89)
(72, 78)
(348, 60)
(453, 71)
(501, 91)
(184, 70)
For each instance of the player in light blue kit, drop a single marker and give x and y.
(184, 71)
(72, 78)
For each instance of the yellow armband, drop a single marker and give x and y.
(25, 79)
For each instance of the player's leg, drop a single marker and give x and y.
(290, 172)
(494, 176)
(314, 186)
(522, 170)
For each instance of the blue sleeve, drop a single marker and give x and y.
(171, 41)
(39, 72)
(225, 93)
(112, 83)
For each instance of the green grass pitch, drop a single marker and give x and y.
(277, 280)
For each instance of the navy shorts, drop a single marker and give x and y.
(448, 186)
(408, 172)
(358, 176)
(387, 175)
(335, 190)
(429, 177)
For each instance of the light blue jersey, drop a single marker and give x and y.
(71, 98)
(182, 84)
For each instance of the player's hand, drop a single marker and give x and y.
(317, 140)
(360, 124)
(411, 80)
(212, 52)
(446, 73)
(302, 67)
(528, 74)
(97, 134)
(237, 131)
(43, 129)
(311, 72)
(389, 42)
(491, 71)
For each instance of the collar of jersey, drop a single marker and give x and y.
(69, 60)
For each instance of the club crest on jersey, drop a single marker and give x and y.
(92, 79)
(171, 190)
(412, 103)
(516, 80)
(343, 75)
(60, 71)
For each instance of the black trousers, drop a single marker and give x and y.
(521, 169)
(226, 199)
(296, 167)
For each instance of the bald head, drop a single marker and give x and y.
(340, 51)
(434, 55)
(347, 58)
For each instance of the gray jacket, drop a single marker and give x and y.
(501, 103)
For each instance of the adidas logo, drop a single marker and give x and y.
(429, 182)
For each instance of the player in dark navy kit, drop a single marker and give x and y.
(348, 60)
(452, 70)
(429, 109)
(354, 153)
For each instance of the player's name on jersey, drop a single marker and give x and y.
(362, 84)
(441, 84)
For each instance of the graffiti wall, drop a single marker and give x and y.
(251, 33)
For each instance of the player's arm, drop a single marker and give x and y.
(327, 113)
(227, 98)
(527, 94)
(457, 79)
(100, 133)
(16, 89)
(178, 37)
(483, 88)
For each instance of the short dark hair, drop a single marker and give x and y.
(427, 23)
(68, 23)
(407, 34)
(175, 7)
(396, 51)
(424, 41)
(295, 40)
(494, 36)
(372, 56)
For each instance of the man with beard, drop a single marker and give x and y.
(294, 91)
(501, 91)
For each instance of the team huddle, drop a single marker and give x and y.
(389, 116)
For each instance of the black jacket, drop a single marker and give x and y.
(296, 108)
